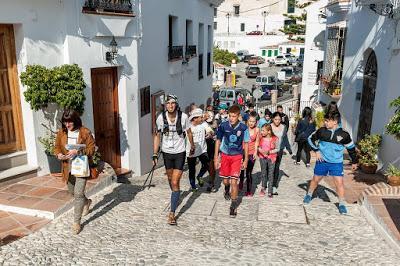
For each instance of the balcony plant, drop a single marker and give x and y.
(393, 127)
(393, 175)
(368, 149)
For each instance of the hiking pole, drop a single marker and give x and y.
(151, 173)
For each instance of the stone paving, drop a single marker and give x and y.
(128, 226)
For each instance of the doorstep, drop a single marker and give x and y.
(28, 205)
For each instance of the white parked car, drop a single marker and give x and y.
(280, 60)
(290, 58)
(264, 80)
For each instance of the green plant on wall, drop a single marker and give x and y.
(368, 149)
(224, 56)
(319, 119)
(63, 85)
(393, 127)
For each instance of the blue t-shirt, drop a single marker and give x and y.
(263, 121)
(232, 138)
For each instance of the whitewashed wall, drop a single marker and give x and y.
(313, 52)
(367, 31)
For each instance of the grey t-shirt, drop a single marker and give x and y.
(279, 133)
(172, 142)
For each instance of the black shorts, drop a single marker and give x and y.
(174, 161)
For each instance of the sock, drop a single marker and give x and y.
(227, 188)
(310, 192)
(174, 200)
(234, 203)
(342, 201)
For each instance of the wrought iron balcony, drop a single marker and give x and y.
(109, 7)
(175, 53)
(191, 50)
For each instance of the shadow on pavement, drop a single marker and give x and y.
(320, 192)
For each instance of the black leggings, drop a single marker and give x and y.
(192, 167)
(277, 175)
(249, 170)
(303, 144)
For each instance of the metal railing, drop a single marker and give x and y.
(114, 6)
(191, 50)
(175, 52)
(291, 107)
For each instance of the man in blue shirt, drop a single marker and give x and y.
(232, 141)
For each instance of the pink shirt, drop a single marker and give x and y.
(268, 144)
(252, 142)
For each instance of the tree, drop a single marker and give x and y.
(224, 56)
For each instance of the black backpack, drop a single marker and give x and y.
(179, 129)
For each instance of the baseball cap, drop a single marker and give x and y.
(223, 106)
(196, 113)
(172, 98)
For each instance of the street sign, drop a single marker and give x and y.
(258, 93)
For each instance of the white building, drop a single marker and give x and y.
(152, 37)
(314, 53)
(371, 72)
(235, 19)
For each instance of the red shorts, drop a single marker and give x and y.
(231, 166)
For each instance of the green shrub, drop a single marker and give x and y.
(224, 56)
(393, 127)
(63, 85)
(392, 171)
(368, 149)
(319, 119)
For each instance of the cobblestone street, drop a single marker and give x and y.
(128, 226)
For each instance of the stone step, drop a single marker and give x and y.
(12, 160)
(17, 174)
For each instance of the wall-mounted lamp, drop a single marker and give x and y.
(112, 54)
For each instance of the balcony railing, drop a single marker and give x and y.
(200, 66)
(191, 50)
(110, 7)
(175, 53)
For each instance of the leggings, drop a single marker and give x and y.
(267, 172)
(192, 167)
(249, 170)
(303, 144)
(277, 177)
(76, 186)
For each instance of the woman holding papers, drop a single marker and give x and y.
(75, 147)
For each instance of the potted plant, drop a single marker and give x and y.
(368, 153)
(393, 127)
(393, 175)
(48, 143)
(94, 167)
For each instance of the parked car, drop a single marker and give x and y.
(271, 62)
(280, 60)
(290, 58)
(229, 95)
(247, 57)
(241, 54)
(264, 80)
(299, 61)
(288, 73)
(255, 32)
(297, 77)
(267, 92)
(252, 71)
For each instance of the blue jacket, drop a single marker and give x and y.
(331, 144)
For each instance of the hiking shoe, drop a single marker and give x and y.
(233, 212)
(342, 209)
(227, 196)
(201, 182)
(307, 199)
(262, 192)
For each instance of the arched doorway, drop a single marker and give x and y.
(368, 96)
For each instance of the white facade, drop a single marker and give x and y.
(314, 53)
(52, 33)
(367, 33)
(291, 47)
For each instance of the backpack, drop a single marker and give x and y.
(179, 129)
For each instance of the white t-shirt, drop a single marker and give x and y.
(199, 139)
(73, 137)
(172, 142)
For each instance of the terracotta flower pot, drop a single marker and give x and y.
(393, 180)
(369, 169)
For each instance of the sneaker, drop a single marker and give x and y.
(342, 209)
(307, 199)
(214, 189)
(262, 192)
(240, 186)
(233, 212)
(296, 163)
(227, 196)
(201, 182)
(193, 189)
(270, 195)
(308, 165)
(274, 191)
(249, 194)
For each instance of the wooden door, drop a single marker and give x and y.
(105, 113)
(11, 133)
(368, 97)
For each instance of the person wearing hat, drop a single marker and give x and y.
(211, 128)
(199, 138)
(222, 115)
(172, 128)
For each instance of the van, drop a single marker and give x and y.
(229, 95)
